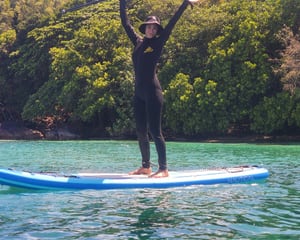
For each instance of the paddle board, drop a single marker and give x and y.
(102, 181)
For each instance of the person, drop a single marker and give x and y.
(148, 97)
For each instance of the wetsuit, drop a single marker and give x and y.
(148, 97)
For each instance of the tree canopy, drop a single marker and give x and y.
(228, 64)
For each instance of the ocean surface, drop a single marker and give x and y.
(265, 210)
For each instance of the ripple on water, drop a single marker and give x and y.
(268, 210)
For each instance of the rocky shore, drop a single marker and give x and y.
(17, 131)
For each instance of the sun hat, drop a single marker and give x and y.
(151, 20)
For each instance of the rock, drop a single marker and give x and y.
(16, 131)
(65, 134)
(60, 134)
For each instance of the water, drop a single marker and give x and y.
(268, 210)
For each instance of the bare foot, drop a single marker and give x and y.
(141, 171)
(160, 174)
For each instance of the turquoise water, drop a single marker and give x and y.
(268, 210)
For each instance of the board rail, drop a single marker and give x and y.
(103, 181)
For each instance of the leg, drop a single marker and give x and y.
(142, 135)
(154, 111)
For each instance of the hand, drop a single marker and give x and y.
(191, 2)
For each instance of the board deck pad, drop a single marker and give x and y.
(102, 181)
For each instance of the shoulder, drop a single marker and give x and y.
(139, 41)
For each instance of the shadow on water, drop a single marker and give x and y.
(154, 216)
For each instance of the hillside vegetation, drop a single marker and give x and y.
(228, 65)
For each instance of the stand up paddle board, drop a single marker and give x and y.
(102, 181)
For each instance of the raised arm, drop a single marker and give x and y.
(168, 29)
(133, 36)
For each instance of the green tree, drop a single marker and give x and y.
(228, 50)
(24, 60)
(273, 114)
(6, 16)
(215, 68)
(90, 73)
(238, 59)
(29, 13)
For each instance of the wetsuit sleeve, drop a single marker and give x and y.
(168, 29)
(133, 36)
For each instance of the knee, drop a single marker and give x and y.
(157, 135)
(142, 136)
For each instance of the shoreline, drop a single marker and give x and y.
(20, 132)
(233, 140)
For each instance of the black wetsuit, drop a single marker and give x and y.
(148, 98)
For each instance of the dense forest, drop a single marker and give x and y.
(229, 66)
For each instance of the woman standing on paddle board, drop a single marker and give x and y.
(148, 97)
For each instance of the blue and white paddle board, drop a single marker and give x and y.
(103, 181)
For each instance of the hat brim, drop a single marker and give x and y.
(142, 28)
